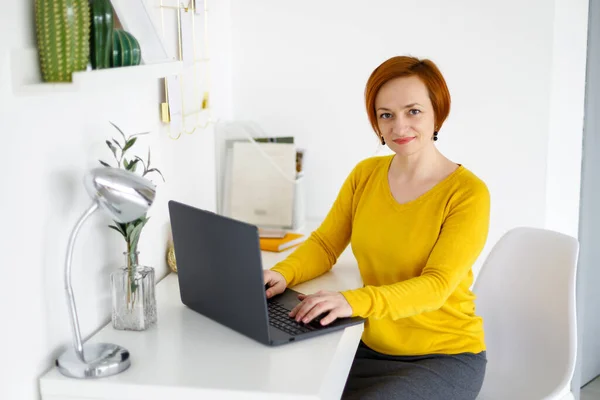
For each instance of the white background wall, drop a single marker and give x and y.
(567, 101)
(49, 142)
(515, 71)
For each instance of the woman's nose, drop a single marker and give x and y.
(400, 124)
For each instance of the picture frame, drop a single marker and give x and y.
(135, 18)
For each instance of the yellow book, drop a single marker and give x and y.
(281, 244)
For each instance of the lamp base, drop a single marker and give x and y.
(101, 360)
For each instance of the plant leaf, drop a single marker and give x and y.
(117, 143)
(148, 157)
(129, 143)
(134, 237)
(112, 148)
(143, 163)
(122, 227)
(139, 221)
(118, 230)
(139, 134)
(119, 129)
(128, 229)
(126, 164)
(132, 166)
(155, 170)
(103, 163)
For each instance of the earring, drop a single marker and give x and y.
(382, 140)
(435, 136)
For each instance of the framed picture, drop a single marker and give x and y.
(134, 17)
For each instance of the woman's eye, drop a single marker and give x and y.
(385, 116)
(414, 111)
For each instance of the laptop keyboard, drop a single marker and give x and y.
(279, 318)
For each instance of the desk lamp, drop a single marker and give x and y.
(125, 196)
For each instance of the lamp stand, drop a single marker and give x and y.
(93, 360)
(101, 359)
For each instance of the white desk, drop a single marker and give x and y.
(187, 356)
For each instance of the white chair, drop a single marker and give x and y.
(526, 296)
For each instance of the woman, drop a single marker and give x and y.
(417, 222)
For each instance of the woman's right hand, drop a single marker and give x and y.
(274, 282)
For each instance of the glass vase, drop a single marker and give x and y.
(133, 295)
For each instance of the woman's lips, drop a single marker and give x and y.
(403, 140)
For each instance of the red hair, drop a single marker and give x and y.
(403, 66)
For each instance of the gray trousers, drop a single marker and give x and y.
(376, 376)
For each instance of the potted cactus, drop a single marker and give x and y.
(62, 33)
(101, 38)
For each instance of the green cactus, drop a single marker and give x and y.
(63, 31)
(126, 49)
(101, 40)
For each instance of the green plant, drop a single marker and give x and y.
(101, 40)
(126, 49)
(63, 32)
(130, 231)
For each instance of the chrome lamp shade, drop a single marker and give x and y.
(122, 194)
(125, 197)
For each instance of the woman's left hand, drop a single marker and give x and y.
(333, 304)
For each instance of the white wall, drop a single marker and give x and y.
(567, 103)
(300, 68)
(48, 143)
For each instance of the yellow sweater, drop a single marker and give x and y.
(415, 259)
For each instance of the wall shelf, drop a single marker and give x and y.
(26, 76)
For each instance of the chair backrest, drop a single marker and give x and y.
(526, 296)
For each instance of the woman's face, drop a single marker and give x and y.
(405, 115)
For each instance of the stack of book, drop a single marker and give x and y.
(278, 244)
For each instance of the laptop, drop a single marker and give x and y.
(220, 274)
